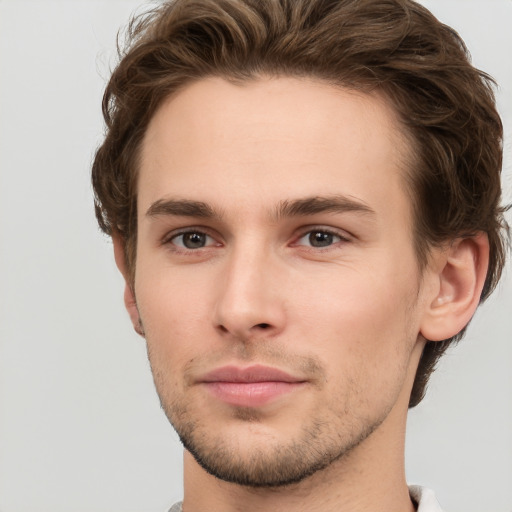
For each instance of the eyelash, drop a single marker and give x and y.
(320, 229)
(169, 239)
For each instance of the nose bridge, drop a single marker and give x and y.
(249, 298)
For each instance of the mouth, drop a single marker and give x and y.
(253, 386)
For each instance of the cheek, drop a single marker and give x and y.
(366, 318)
(365, 337)
(173, 312)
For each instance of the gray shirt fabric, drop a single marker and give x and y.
(424, 497)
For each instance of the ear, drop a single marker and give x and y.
(459, 277)
(129, 295)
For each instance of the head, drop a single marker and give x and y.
(393, 53)
(446, 106)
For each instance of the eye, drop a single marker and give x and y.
(319, 238)
(192, 240)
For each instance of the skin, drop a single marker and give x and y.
(248, 283)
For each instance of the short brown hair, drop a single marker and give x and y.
(447, 106)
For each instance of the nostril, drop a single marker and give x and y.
(263, 326)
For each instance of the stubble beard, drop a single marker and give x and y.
(270, 464)
(273, 461)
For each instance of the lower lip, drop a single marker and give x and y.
(251, 394)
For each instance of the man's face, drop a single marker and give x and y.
(276, 278)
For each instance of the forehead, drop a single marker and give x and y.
(270, 140)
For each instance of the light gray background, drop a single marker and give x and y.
(80, 425)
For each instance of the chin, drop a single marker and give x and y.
(266, 460)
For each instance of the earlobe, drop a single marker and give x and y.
(462, 269)
(129, 295)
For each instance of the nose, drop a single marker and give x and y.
(250, 301)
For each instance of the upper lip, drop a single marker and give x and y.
(255, 373)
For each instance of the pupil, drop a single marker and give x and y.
(320, 239)
(193, 240)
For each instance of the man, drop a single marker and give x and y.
(304, 200)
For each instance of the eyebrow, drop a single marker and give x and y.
(320, 204)
(301, 207)
(181, 208)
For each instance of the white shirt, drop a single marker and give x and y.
(425, 498)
